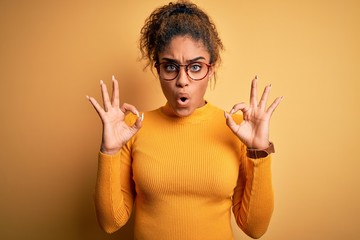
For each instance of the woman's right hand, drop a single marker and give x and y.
(116, 132)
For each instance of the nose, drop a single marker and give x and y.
(182, 79)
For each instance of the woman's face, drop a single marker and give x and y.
(183, 94)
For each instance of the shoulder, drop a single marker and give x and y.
(238, 117)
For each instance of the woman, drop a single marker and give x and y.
(186, 164)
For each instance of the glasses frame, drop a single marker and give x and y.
(186, 66)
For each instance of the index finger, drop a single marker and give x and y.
(125, 108)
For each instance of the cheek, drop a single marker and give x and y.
(166, 88)
(202, 88)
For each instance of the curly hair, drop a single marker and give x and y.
(181, 18)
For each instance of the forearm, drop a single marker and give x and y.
(113, 202)
(253, 205)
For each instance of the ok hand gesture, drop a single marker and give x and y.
(253, 131)
(115, 131)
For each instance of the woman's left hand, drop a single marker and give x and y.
(253, 131)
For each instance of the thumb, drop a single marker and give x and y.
(138, 123)
(230, 122)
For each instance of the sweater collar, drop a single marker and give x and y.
(200, 114)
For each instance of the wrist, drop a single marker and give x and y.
(109, 151)
(260, 153)
(259, 145)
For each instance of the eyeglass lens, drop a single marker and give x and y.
(196, 70)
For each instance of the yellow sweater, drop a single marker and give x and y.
(182, 176)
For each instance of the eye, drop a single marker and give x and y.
(195, 67)
(170, 67)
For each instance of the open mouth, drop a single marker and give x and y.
(183, 99)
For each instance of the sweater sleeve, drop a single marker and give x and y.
(253, 199)
(114, 191)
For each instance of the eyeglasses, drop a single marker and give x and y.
(196, 70)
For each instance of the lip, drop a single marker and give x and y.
(180, 99)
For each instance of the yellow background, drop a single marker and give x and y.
(53, 54)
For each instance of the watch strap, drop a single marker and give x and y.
(257, 153)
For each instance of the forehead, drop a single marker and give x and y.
(185, 48)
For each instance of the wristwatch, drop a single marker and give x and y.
(256, 153)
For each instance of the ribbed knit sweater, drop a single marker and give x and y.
(182, 176)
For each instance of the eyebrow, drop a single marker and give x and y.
(187, 61)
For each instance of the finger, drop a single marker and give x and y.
(96, 105)
(274, 105)
(253, 92)
(105, 96)
(138, 123)
(240, 107)
(264, 97)
(230, 122)
(115, 94)
(126, 108)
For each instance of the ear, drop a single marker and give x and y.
(156, 66)
(211, 72)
